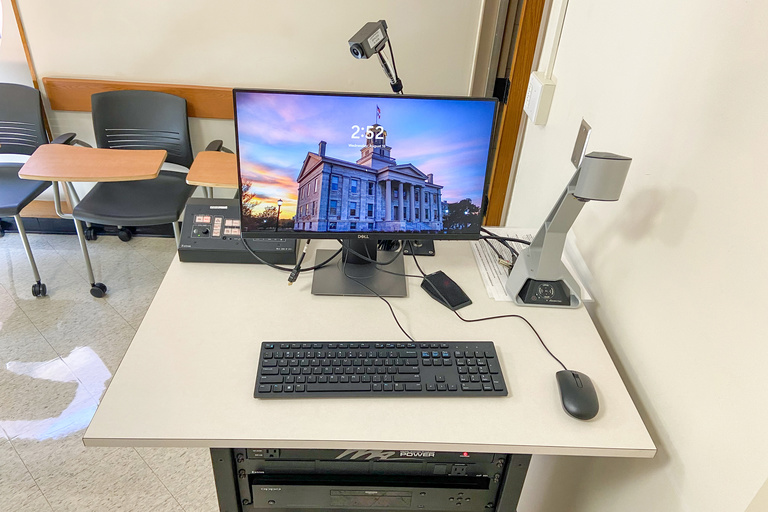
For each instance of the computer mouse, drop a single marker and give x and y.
(577, 394)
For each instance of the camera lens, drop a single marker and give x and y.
(357, 51)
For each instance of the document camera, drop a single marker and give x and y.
(539, 277)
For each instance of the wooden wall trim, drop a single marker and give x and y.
(522, 65)
(42, 209)
(74, 94)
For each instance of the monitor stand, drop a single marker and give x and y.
(347, 273)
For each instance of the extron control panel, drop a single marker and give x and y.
(211, 233)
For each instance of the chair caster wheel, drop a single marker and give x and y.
(39, 289)
(98, 290)
(124, 234)
(90, 233)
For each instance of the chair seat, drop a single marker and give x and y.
(136, 203)
(16, 193)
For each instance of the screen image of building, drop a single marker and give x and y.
(373, 194)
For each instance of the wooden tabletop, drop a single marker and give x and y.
(214, 169)
(60, 162)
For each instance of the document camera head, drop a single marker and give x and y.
(369, 40)
(601, 176)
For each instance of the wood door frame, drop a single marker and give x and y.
(526, 40)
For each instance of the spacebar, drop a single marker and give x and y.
(337, 387)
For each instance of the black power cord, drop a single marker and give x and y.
(296, 269)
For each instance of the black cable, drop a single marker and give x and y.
(507, 262)
(285, 269)
(391, 310)
(371, 260)
(297, 269)
(493, 235)
(498, 254)
(471, 320)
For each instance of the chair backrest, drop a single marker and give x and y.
(142, 120)
(21, 120)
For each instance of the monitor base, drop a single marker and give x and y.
(331, 279)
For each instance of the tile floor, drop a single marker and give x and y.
(57, 356)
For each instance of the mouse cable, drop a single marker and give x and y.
(287, 269)
(471, 320)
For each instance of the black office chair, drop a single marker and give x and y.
(140, 120)
(21, 132)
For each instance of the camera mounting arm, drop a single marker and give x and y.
(539, 277)
(394, 81)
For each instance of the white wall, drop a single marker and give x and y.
(679, 261)
(13, 65)
(298, 44)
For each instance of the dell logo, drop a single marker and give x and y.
(362, 236)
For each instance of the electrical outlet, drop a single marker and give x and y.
(458, 470)
(271, 453)
(538, 98)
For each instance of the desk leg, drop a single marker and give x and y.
(512, 486)
(224, 476)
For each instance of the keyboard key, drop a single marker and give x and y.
(413, 387)
(265, 388)
(337, 388)
(407, 378)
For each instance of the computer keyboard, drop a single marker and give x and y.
(378, 369)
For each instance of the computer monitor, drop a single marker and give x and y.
(362, 168)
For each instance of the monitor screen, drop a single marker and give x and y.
(320, 165)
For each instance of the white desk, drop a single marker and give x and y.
(188, 377)
(189, 374)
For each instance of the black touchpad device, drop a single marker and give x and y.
(445, 290)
